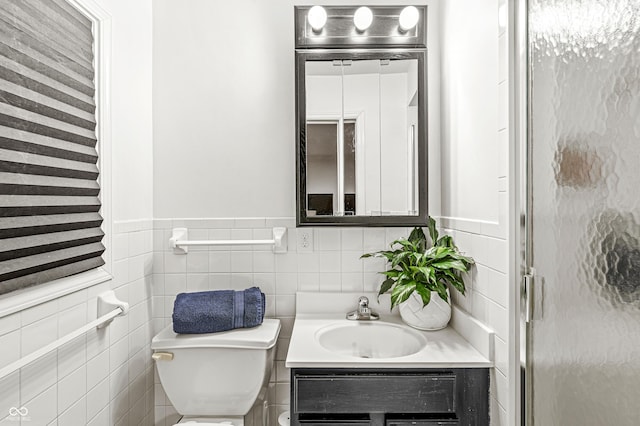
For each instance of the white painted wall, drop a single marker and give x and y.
(469, 108)
(362, 100)
(393, 143)
(324, 95)
(131, 108)
(223, 108)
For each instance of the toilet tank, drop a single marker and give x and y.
(215, 374)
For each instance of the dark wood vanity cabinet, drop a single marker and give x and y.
(389, 397)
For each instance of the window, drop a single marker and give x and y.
(50, 201)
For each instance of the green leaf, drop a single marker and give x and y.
(458, 285)
(456, 281)
(417, 235)
(404, 243)
(442, 291)
(441, 287)
(391, 273)
(400, 258)
(425, 294)
(465, 259)
(389, 255)
(433, 232)
(445, 241)
(385, 286)
(413, 267)
(384, 253)
(404, 278)
(401, 293)
(418, 238)
(450, 264)
(435, 253)
(433, 276)
(426, 272)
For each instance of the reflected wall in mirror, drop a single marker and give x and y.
(361, 124)
(361, 117)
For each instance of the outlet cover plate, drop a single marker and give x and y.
(305, 240)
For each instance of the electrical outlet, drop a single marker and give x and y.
(305, 239)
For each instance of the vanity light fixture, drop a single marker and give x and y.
(363, 18)
(317, 18)
(408, 18)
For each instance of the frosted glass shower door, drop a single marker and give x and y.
(584, 162)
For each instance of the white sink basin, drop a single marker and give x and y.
(362, 339)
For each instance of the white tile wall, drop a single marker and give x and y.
(487, 301)
(488, 241)
(333, 264)
(86, 380)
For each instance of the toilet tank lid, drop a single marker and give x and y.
(263, 336)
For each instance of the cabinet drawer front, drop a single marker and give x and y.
(375, 393)
(422, 423)
(334, 423)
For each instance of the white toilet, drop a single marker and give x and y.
(216, 377)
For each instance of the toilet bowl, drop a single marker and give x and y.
(215, 377)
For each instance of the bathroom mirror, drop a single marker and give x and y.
(362, 136)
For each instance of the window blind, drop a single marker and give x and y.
(49, 190)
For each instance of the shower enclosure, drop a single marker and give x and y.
(583, 213)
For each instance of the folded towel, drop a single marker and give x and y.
(220, 310)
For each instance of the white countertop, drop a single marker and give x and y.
(444, 348)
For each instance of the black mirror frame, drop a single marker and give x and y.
(301, 58)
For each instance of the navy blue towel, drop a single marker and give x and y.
(220, 310)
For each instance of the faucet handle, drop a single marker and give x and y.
(363, 306)
(363, 312)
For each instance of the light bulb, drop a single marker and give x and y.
(317, 17)
(408, 18)
(363, 18)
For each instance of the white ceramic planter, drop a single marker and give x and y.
(434, 316)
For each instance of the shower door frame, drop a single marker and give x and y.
(520, 242)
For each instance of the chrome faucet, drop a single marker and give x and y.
(363, 312)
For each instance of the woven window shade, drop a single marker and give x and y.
(49, 206)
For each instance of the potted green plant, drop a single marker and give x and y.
(420, 276)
